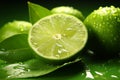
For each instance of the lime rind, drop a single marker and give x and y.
(58, 37)
(68, 10)
(107, 10)
(103, 27)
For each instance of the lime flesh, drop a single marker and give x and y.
(58, 36)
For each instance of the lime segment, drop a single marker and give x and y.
(58, 36)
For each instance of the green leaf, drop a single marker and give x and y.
(13, 42)
(37, 12)
(110, 70)
(102, 67)
(3, 72)
(16, 49)
(106, 70)
(32, 68)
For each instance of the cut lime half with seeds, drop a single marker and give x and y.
(58, 37)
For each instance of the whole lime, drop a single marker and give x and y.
(104, 30)
(13, 28)
(68, 10)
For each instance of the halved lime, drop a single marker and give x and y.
(58, 37)
(68, 10)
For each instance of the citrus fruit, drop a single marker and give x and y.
(58, 37)
(14, 46)
(13, 28)
(68, 10)
(104, 28)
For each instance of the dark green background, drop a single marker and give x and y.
(18, 10)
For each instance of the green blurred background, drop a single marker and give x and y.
(18, 10)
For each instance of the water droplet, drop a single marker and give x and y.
(59, 45)
(21, 27)
(69, 29)
(64, 35)
(2, 49)
(112, 6)
(1, 52)
(35, 44)
(15, 70)
(114, 76)
(89, 75)
(62, 50)
(90, 52)
(4, 52)
(28, 70)
(100, 7)
(57, 56)
(94, 16)
(59, 51)
(99, 73)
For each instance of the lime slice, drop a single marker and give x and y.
(104, 28)
(58, 37)
(68, 10)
